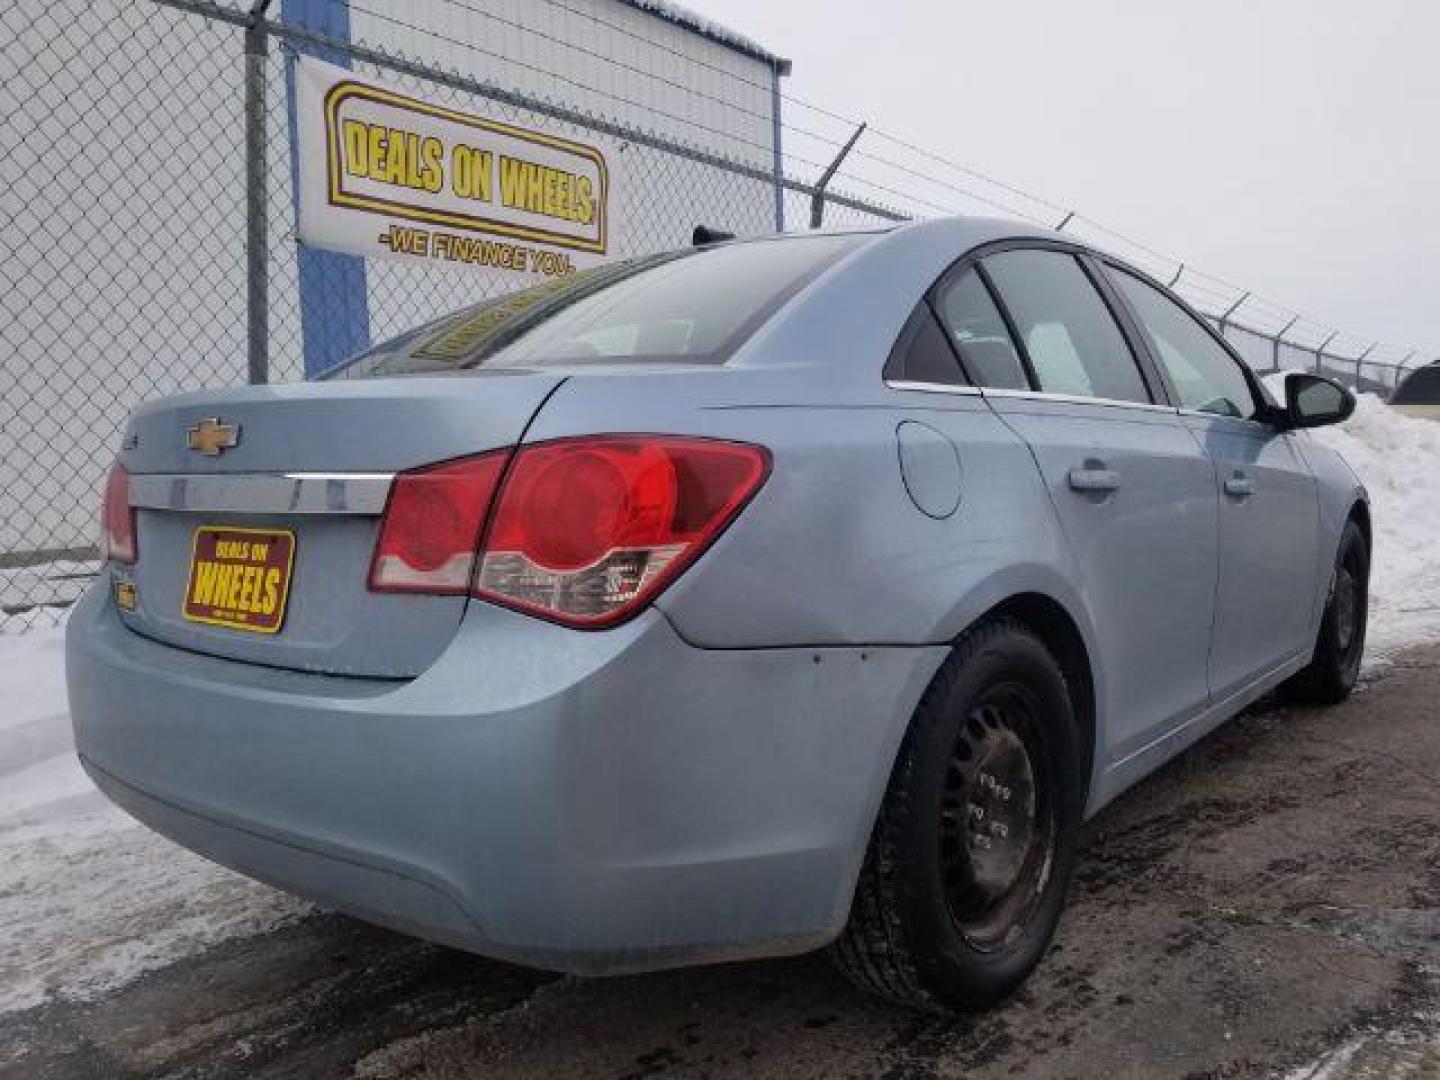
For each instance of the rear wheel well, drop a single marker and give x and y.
(1054, 626)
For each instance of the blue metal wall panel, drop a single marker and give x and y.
(334, 307)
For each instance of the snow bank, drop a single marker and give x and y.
(1397, 457)
(88, 898)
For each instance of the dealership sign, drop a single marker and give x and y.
(384, 173)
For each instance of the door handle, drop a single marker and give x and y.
(1239, 487)
(1094, 479)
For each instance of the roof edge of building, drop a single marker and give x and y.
(697, 24)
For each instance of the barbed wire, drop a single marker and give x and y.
(1219, 290)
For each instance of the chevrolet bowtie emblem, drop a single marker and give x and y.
(210, 437)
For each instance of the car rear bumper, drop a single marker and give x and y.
(588, 802)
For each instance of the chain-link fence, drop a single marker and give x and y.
(122, 258)
(136, 262)
(128, 229)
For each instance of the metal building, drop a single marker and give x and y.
(1419, 394)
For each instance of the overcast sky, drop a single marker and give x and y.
(1290, 146)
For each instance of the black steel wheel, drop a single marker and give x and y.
(973, 850)
(997, 819)
(1340, 643)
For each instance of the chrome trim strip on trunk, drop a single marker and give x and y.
(263, 493)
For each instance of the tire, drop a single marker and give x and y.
(934, 924)
(1332, 673)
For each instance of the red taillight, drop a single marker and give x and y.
(117, 519)
(584, 531)
(432, 526)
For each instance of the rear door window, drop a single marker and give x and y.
(1206, 377)
(978, 331)
(1073, 342)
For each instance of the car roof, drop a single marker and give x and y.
(852, 312)
(970, 232)
(966, 230)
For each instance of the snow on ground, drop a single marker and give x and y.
(1409, 1051)
(89, 899)
(1397, 457)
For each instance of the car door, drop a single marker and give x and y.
(1133, 491)
(1269, 539)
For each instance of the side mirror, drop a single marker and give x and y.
(1314, 401)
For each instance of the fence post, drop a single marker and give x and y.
(1359, 360)
(817, 197)
(1398, 371)
(1320, 351)
(775, 131)
(257, 243)
(1225, 319)
(1277, 341)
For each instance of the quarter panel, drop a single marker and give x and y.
(833, 550)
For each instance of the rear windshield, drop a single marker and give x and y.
(696, 306)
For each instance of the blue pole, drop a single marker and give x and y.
(334, 305)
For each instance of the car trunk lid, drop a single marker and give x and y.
(257, 511)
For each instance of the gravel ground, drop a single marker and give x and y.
(1268, 905)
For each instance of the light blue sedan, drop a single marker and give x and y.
(725, 603)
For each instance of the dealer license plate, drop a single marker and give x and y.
(240, 578)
